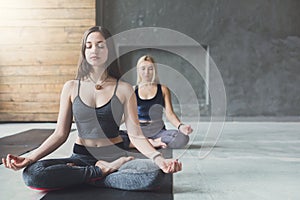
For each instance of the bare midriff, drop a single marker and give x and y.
(100, 142)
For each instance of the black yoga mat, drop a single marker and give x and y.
(23, 142)
(91, 193)
(165, 192)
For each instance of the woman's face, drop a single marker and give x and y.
(146, 71)
(96, 51)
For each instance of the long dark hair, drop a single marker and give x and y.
(113, 68)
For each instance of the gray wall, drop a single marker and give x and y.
(254, 43)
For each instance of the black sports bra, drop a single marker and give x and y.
(150, 109)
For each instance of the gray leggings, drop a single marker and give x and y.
(53, 174)
(173, 138)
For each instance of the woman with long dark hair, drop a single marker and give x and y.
(97, 100)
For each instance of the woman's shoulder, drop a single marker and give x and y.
(165, 91)
(70, 83)
(125, 86)
(164, 88)
(68, 87)
(124, 91)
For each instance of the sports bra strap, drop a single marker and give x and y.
(78, 87)
(116, 87)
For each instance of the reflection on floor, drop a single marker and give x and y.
(251, 160)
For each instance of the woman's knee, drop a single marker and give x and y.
(139, 174)
(32, 174)
(38, 177)
(179, 141)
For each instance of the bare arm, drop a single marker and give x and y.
(56, 139)
(63, 127)
(170, 114)
(139, 140)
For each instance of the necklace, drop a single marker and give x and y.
(98, 86)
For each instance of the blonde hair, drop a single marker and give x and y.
(148, 58)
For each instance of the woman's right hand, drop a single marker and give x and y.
(15, 162)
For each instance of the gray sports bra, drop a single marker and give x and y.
(100, 122)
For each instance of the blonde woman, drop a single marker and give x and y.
(152, 99)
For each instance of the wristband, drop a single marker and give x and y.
(179, 125)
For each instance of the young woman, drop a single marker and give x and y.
(97, 99)
(152, 98)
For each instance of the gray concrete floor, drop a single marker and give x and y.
(251, 160)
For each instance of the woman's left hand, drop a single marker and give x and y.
(168, 165)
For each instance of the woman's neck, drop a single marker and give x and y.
(99, 74)
(146, 84)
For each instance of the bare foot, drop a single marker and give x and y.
(157, 143)
(109, 167)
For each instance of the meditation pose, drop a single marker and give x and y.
(97, 100)
(152, 99)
